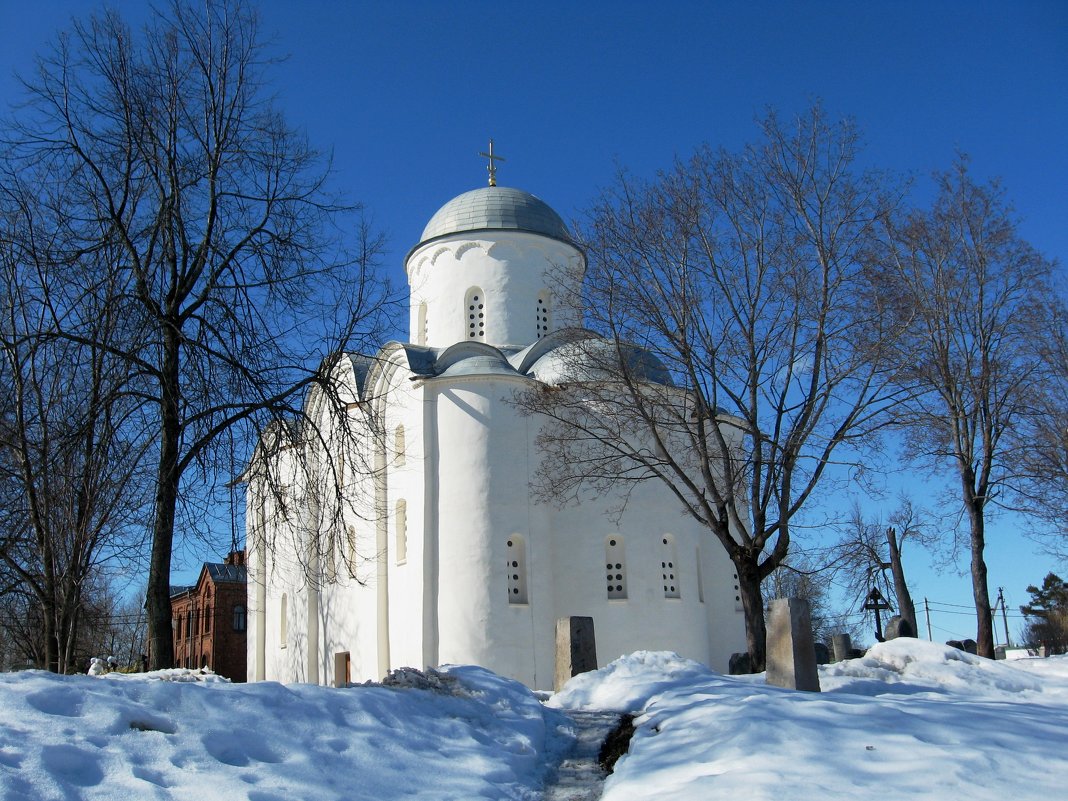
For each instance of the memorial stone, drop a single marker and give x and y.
(842, 646)
(898, 626)
(791, 654)
(739, 664)
(576, 648)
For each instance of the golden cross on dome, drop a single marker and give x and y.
(492, 168)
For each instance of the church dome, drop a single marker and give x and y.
(496, 208)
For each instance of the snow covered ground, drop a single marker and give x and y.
(912, 720)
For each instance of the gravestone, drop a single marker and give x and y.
(898, 626)
(576, 648)
(971, 646)
(791, 654)
(955, 644)
(823, 653)
(739, 664)
(842, 646)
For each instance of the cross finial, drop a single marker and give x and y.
(492, 168)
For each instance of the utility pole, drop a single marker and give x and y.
(927, 609)
(1004, 616)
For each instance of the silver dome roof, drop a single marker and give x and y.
(495, 208)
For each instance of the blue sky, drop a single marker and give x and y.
(405, 94)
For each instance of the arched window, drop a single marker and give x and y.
(283, 622)
(669, 567)
(543, 314)
(475, 309)
(398, 446)
(401, 525)
(517, 570)
(207, 620)
(239, 618)
(616, 567)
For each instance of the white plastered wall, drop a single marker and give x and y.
(512, 268)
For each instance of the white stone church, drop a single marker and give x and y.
(436, 552)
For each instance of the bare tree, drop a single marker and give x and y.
(742, 278)
(1040, 441)
(165, 147)
(800, 578)
(69, 471)
(981, 303)
(868, 555)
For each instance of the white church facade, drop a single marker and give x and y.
(433, 549)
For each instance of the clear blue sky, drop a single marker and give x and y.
(405, 94)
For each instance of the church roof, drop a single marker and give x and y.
(496, 208)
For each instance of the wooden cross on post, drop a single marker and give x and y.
(492, 168)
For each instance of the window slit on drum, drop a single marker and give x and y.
(541, 319)
(475, 309)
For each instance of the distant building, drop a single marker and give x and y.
(210, 618)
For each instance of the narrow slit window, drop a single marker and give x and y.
(517, 569)
(700, 580)
(331, 557)
(542, 315)
(353, 559)
(401, 525)
(399, 456)
(615, 567)
(475, 310)
(283, 622)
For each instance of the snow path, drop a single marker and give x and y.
(579, 776)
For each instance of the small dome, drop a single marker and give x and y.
(496, 208)
(596, 359)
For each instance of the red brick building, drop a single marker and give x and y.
(210, 619)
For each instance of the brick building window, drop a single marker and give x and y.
(239, 618)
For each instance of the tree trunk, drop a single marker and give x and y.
(906, 608)
(51, 636)
(984, 636)
(753, 609)
(158, 601)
